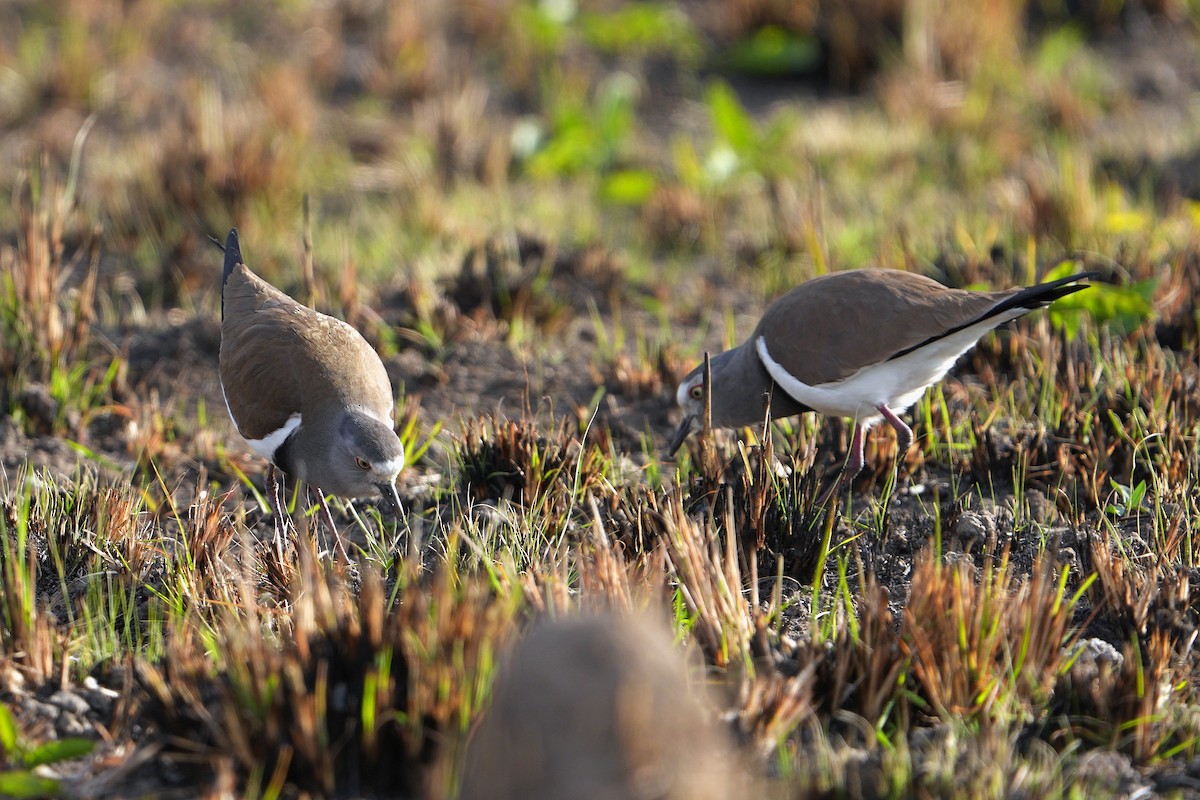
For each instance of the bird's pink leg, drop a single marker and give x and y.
(857, 460)
(903, 432)
(853, 466)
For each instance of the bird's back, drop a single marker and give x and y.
(291, 358)
(866, 317)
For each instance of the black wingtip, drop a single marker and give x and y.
(233, 254)
(1030, 298)
(1043, 294)
(233, 257)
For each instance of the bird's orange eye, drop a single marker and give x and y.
(362, 463)
(697, 391)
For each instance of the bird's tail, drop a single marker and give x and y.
(1043, 294)
(1024, 300)
(233, 257)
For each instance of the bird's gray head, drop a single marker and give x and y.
(741, 394)
(365, 458)
(690, 397)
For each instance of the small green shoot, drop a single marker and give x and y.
(20, 757)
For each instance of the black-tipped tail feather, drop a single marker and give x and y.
(233, 257)
(1039, 296)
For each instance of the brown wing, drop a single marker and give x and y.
(828, 328)
(279, 358)
(259, 342)
(350, 369)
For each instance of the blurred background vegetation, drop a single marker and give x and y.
(760, 138)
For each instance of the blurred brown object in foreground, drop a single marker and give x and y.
(598, 707)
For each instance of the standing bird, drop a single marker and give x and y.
(862, 344)
(305, 391)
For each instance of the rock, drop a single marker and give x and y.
(99, 698)
(41, 409)
(1096, 652)
(973, 527)
(69, 701)
(11, 679)
(1175, 782)
(1042, 508)
(1111, 774)
(69, 724)
(40, 709)
(953, 558)
(1067, 557)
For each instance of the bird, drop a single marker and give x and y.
(862, 344)
(599, 706)
(306, 391)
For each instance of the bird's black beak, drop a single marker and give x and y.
(391, 498)
(682, 432)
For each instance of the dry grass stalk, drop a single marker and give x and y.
(550, 475)
(455, 123)
(710, 580)
(771, 706)
(1143, 594)
(1136, 703)
(58, 543)
(730, 629)
(206, 536)
(26, 637)
(603, 574)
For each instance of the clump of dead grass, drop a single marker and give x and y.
(1116, 410)
(650, 371)
(361, 692)
(986, 646)
(731, 630)
(511, 461)
(56, 540)
(48, 294)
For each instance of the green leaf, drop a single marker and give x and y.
(60, 750)
(545, 28)
(686, 162)
(21, 784)
(642, 28)
(1138, 495)
(774, 51)
(628, 187)
(1056, 49)
(731, 123)
(8, 730)
(1121, 308)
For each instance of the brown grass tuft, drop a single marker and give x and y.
(730, 628)
(47, 291)
(357, 696)
(983, 644)
(510, 461)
